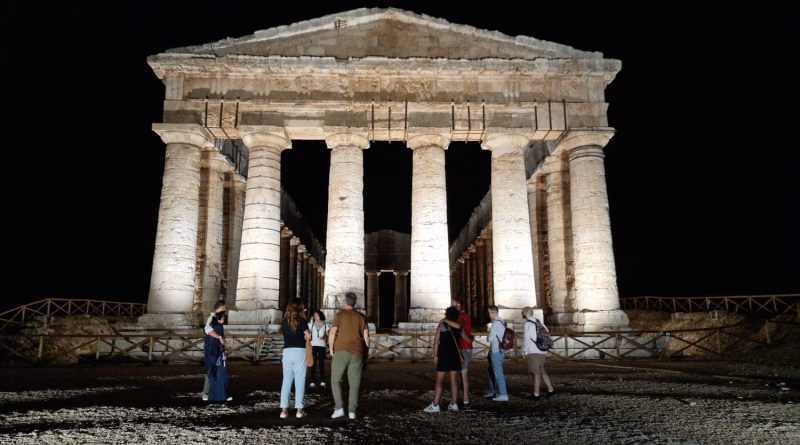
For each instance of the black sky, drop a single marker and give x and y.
(702, 174)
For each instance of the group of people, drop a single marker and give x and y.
(452, 352)
(348, 341)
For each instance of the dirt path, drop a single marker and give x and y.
(635, 402)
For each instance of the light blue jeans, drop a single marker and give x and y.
(499, 383)
(294, 369)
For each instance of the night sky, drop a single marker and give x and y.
(702, 174)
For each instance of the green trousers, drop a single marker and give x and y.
(346, 361)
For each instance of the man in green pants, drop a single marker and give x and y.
(347, 349)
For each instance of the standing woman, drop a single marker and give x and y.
(295, 333)
(534, 357)
(319, 339)
(446, 356)
(214, 360)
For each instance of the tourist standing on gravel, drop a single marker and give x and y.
(215, 363)
(465, 342)
(447, 358)
(319, 338)
(295, 332)
(347, 349)
(497, 379)
(219, 311)
(534, 357)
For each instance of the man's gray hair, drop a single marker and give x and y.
(350, 298)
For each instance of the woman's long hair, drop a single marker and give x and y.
(295, 310)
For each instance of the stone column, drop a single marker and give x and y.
(172, 283)
(373, 297)
(469, 277)
(257, 293)
(294, 242)
(480, 273)
(400, 297)
(472, 305)
(596, 295)
(535, 203)
(344, 265)
(489, 270)
(559, 239)
(301, 266)
(430, 258)
(513, 263)
(236, 191)
(310, 278)
(211, 279)
(285, 282)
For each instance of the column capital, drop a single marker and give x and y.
(336, 140)
(265, 136)
(575, 138)
(400, 273)
(552, 164)
(286, 232)
(427, 140)
(372, 272)
(500, 143)
(586, 151)
(190, 134)
(294, 241)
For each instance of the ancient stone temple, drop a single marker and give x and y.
(541, 237)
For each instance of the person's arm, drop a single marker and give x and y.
(436, 345)
(452, 324)
(366, 338)
(332, 338)
(210, 331)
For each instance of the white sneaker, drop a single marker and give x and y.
(352, 416)
(205, 397)
(312, 385)
(337, 413)
(432, 408)
(284, 415)
(500, 399)
(322, 384)
(229, 399)
(452, 407)
(300, 414)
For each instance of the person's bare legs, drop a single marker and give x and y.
(465, 383)
(437, 393)
(546, 379)
(453, 387)
(537, 382)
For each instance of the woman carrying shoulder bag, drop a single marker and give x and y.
(319, 342)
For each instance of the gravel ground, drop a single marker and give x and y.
(686, 402)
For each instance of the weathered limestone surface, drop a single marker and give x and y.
(400, 297)
(511, 230)
(559, 235)
(216, 167)
(259, 258)
(596, 295)
(344, 270)
(237, 185)
(535, 204)
(430, 261)
(172, 284)
(373, 302)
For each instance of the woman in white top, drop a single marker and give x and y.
(319, 341)
(533, 355)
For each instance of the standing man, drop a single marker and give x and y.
(498, 392)
(465, 343)
(347, 349)
(219, 313)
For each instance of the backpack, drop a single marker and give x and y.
(543, 340)
(507, 342)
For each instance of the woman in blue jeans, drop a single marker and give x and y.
(295, 332)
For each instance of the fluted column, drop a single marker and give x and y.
(535, 205)
(259, 261)
(172, 283)
(237, 185)
(513, 263)
(373, 297)
(215, 167)
(400, 297)
(344, 264)
(559, 238)
(596, 295)
(301, 264)
(294, 242)
(480, 274)
(430, 259)
(285, 283)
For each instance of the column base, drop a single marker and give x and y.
(416, 327)
(169, 320)
(590, 321)
(425, 315)
(514, 315)
(255, 317)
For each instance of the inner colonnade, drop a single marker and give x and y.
(540, 238)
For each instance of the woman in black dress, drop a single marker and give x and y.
(447, 358)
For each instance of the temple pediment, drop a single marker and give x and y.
(391, 33)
